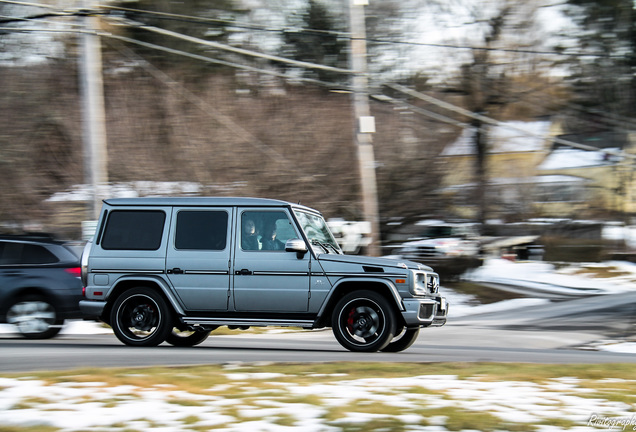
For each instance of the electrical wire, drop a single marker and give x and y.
(23, 3)
(347, 35)
(5, 19)
(235, 24)
(239, 50)
(493, 122)
(187, 18)
(236, 50)
(211, 111)
(219, 62)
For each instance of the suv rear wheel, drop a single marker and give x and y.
(187, 338)
(141, 317)
(35, 317)
(363, 321)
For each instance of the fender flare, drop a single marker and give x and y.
(397, 299)
(164, 287)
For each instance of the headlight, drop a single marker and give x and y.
(425, 283)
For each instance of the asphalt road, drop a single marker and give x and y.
(560, 332)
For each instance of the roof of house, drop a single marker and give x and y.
(508, 137)
(568, 158)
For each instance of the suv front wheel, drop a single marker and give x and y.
(363, 321)
(141, 317)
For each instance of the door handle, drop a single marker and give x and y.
(243, 272)
(175, 270)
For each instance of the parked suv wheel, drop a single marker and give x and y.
(35, 318)
(141, 317)
(363, 321)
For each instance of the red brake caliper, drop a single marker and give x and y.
(350, 320)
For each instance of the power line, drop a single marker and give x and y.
(347, 35)
(210, 110)
(5, 19)
(205, 106)
(185, 54)
(188, 18)
(194, 19)
(216, 61)
(493, 122)
(418, 110)
(23, 3)
(236, 50)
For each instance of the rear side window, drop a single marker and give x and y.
(134, 230)
(25, 253)
(201, 230)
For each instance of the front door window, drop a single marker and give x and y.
(266, 277)
(265, 230)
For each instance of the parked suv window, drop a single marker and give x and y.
(21, 253)
(134, 230)
(201, 230)
(265, 230)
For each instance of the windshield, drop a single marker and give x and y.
(317, 232)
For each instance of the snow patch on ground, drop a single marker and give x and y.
(415, 401)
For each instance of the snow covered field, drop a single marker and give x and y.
(243, 398)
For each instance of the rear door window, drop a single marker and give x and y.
(133, 230)
(201, 230)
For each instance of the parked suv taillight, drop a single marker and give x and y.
(74, 271)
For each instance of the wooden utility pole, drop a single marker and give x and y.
(93, 112)
(364, 124)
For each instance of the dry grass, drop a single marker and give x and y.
(253, 388)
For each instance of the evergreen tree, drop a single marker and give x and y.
(605, 81)
(204, 19)
(317, 42)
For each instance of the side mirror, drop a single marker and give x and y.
(296, 245)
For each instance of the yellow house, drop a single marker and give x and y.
(603, 180)
(531, 177)
(515, 150)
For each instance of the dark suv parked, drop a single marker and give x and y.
(39, 284)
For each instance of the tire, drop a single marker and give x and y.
(403, 340)
(35, 317)
(141, 317)
(187, 338)
(363, 321)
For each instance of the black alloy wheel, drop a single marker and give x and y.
(364, 321)
(141, 317)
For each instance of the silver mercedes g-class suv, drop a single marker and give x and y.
(175, 269)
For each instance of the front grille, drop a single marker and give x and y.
(423, 252)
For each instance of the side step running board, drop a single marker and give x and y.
(256, 322)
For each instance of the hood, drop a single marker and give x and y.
(327, 259)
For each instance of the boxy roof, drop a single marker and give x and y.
(201, 201)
